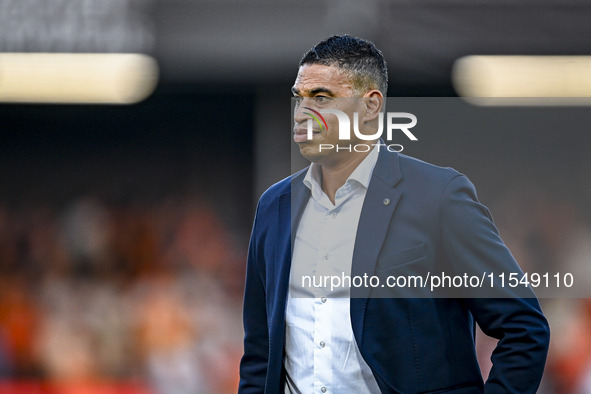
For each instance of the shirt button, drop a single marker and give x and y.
(322, 344)
(325, 257)
(323, 389)
(323, 299)
(333, 215)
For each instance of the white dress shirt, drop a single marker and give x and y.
(321, 355)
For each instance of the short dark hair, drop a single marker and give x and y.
(359, 57)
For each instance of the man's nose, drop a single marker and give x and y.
(299, 115)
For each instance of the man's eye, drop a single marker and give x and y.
(321, 99)
(298, 101)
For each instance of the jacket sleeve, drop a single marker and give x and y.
(472, 245)
(253, 366)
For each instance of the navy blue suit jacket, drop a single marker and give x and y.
(412, 345)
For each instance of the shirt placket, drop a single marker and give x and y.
(323, 309)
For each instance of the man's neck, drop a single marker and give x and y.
(334, 176)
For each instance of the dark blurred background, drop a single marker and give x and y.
(124, 228)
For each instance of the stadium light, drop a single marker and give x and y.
(524, 80)
(76, 78)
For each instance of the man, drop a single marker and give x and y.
(383, 213)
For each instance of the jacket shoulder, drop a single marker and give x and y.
(424, 172)
(280, 188)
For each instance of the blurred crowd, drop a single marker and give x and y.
(149, 293)
(547, 231)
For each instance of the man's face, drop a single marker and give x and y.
(320, 87)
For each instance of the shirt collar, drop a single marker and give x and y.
(361, 174)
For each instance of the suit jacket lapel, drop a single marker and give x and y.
(291, 208)
(300, 195)
(379, 205)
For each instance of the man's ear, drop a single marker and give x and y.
(373, 104)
